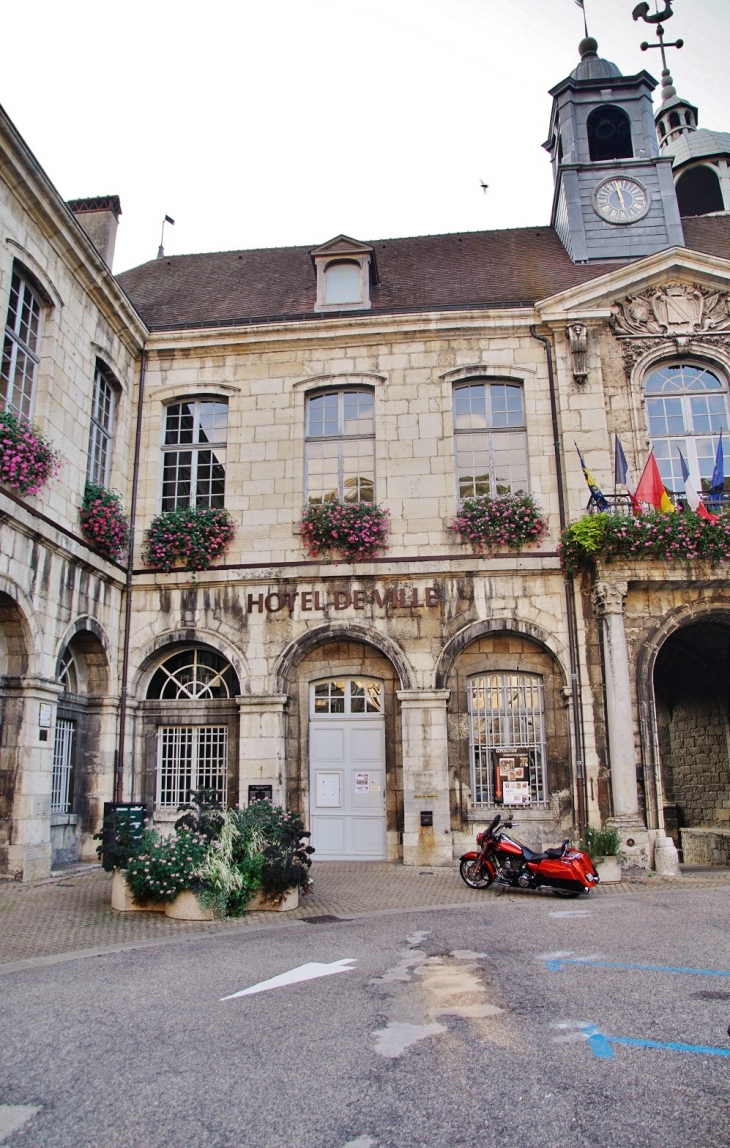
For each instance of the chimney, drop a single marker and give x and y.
(99, 217)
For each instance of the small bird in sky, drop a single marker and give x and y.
(484, 186)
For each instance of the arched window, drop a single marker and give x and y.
(21, 347)
(68, 676)
(342, 283)
(507, 735)
(341, 446)
(674, 120)
(195, 674)
(347, 696)
(699, 192)
(194, 454)
(687, 409)
(662, 129)
(609, 134)
(490, 438)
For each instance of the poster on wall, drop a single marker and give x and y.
(517, 793)
(362, 783)
(512, 770)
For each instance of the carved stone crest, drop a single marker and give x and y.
(677, 309)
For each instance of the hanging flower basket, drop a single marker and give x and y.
(103, 522)
(27, 458)
(192, 535)
(679, 537)
(509, 520)
(355, 530)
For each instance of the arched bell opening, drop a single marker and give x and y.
(699, 192)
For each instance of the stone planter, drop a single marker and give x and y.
(123, 901)
(706, 846)
(609, 870)
(187, 907)
(289, 901)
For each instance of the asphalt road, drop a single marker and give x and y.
(449, 1029)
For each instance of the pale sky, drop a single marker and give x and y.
(265, 123)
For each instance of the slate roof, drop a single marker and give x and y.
(482, 269)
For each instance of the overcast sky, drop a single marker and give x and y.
(263, 123)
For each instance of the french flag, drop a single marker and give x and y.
(693, 499)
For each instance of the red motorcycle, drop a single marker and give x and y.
(501, 859)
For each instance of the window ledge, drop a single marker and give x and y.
(64, 819)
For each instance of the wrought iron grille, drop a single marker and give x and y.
(506, 713)
(189, 758)
(61, 791)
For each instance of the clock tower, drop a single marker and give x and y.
(614, 193)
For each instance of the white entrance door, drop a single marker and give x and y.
(347, 770)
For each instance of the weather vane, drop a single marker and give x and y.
(641, 12)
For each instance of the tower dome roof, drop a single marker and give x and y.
(592, 66)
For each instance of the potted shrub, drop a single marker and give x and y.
(192, 535)
(27, 459)
(354, 530)
(509, 521)
(121, 838)
(603, 845)
(165, 867)
(103, 522)
(275, 843)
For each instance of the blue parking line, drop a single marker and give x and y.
(703, 1049)
(556, 966)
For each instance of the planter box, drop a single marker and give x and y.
(187, 907)
(289, 901)
(123, 901)
(609, 870)
(706, 846)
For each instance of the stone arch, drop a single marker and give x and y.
(19, 635)
(89, 642)
(683, 617)
(476, 630)
(150, 655)
(347, 632)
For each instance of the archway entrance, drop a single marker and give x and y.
(347, 769)
(692, 692)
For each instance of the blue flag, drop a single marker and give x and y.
(596, 493)
(717, 483)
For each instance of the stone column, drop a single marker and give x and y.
(425, 778)
(29, 850)
(96, 773)
(262, 745)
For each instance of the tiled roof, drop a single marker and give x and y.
(478, 269)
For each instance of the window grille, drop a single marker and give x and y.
(506, 713)
(190, 758)
(196, 674)
(194, 454)
(100, 434)
(347, 696)
(61, 788)
(341, 447)
(686, 409)
(21, 348)
(68, 676)
(491, 439)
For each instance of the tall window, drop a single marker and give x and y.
(194, 454)
(62, 781)
(341, 447)
(507, 728)
(491, 439)
(342, 283)
(686, 408)
(100, 434)
(21, 348)
(189, 758)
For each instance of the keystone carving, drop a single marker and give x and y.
(577, 334)
(677, 309)
(609, 597)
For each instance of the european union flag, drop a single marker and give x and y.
(596, 493)
(717, 483)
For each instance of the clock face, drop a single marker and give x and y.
(621, 200)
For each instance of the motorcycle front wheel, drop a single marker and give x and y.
(474, 878)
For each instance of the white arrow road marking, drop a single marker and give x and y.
(14, 1116)
(308, 972)
(467, 955)
(398, 1036)
(361, 1142)
(570, 913)
(416, 938)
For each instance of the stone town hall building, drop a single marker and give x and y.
(374, 697)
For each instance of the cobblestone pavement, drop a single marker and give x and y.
(71, 913)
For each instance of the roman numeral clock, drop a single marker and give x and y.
(621, 200)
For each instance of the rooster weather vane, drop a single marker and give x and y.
(642, 12)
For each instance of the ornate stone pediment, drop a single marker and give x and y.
(675, 310)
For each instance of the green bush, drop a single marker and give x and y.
(679, 537)
(166, 866)
(600, 843)
(281, 839)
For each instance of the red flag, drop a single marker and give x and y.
(651, 488)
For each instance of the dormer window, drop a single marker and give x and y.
(346, 271)
(342, 283)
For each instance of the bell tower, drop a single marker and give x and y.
(614, 193)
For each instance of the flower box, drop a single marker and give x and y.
(187, 907)
(261, 904)
(103, 522)
(609, 870)
(124, 902)
(352, 530)
(27, 459)
(680, 537)
(191, 535)
(507, 522)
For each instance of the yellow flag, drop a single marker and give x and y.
(666, 506)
